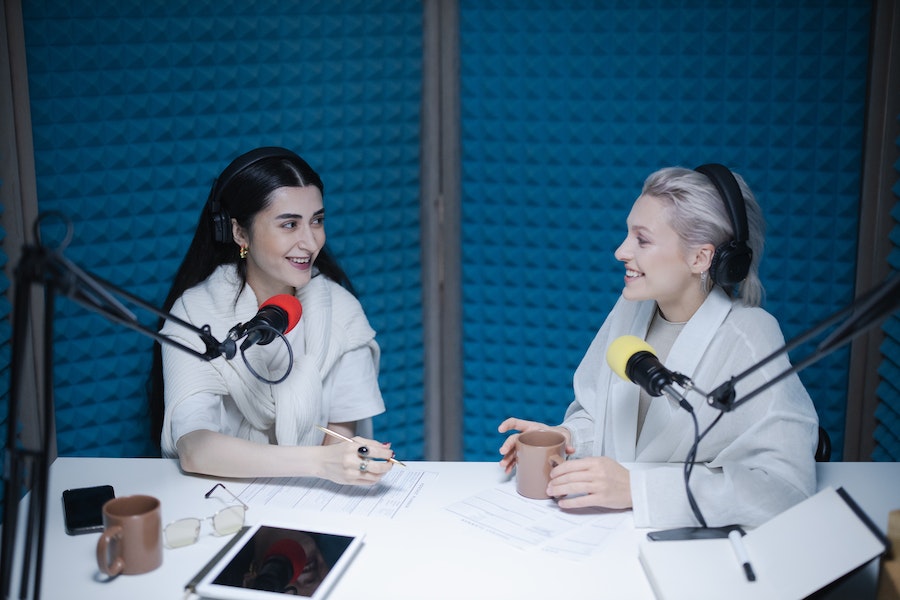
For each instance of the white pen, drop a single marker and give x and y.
(734, 536)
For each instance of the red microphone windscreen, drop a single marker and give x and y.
(290, 305)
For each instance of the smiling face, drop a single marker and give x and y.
(284, 240)
(657, 266)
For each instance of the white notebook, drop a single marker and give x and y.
(793, 555)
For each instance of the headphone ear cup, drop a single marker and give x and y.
(222, 226)
(221, 220)
(731, 263)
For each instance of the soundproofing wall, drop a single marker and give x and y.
(567, 107)
(565, 110)
(137, 107)
(887, 415)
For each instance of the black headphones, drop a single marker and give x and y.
(221, 220)
(731, 261)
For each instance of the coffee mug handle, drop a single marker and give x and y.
(555, 461)
(111, 535)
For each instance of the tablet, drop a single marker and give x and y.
(277, 561)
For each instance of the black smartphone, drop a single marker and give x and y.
(83, 508)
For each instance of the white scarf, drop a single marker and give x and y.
(332, 323)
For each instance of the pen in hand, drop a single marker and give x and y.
(734, 536)
(335, 434)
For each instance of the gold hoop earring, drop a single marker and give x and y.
(244, 251)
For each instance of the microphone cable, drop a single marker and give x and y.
(290, 352)
(690, 461)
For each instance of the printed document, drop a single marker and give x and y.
(528, 523)
(395, 492)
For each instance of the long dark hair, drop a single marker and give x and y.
(241, 191)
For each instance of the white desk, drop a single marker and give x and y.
(423, 553)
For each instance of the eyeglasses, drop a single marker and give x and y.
(185, 532)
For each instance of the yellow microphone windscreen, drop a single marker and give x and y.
(623, 348)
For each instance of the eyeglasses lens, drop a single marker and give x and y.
(182, 533)
(228, 520)
(185, 532)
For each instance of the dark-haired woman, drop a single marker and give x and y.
(261, 234)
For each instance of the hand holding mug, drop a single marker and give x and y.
(537, 452)
(508, 448)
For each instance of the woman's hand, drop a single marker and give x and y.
(348, 463)
(594, 481)
(508, 449)
(213, 453)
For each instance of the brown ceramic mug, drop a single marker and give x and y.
(131, 542)
(537, 452)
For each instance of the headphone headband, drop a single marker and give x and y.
(731, 261)
(220, 217)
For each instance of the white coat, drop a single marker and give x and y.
(757, 461)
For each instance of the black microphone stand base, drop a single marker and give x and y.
(693, 533)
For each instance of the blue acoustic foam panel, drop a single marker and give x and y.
(887, 415)
(567, 107)
(137, 107)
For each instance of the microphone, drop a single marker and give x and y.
(277, 314)
(283, 563)
(634, 360)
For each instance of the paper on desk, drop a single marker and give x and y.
(395, 492)
(541, 524)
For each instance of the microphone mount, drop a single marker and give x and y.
(852, 321)
(686, 384)
(28, 467)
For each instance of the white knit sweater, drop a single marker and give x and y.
(333, 323)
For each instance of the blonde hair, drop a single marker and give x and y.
(699, 216)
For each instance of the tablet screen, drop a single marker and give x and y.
(279, 561)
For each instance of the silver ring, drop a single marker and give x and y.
(364, 464)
